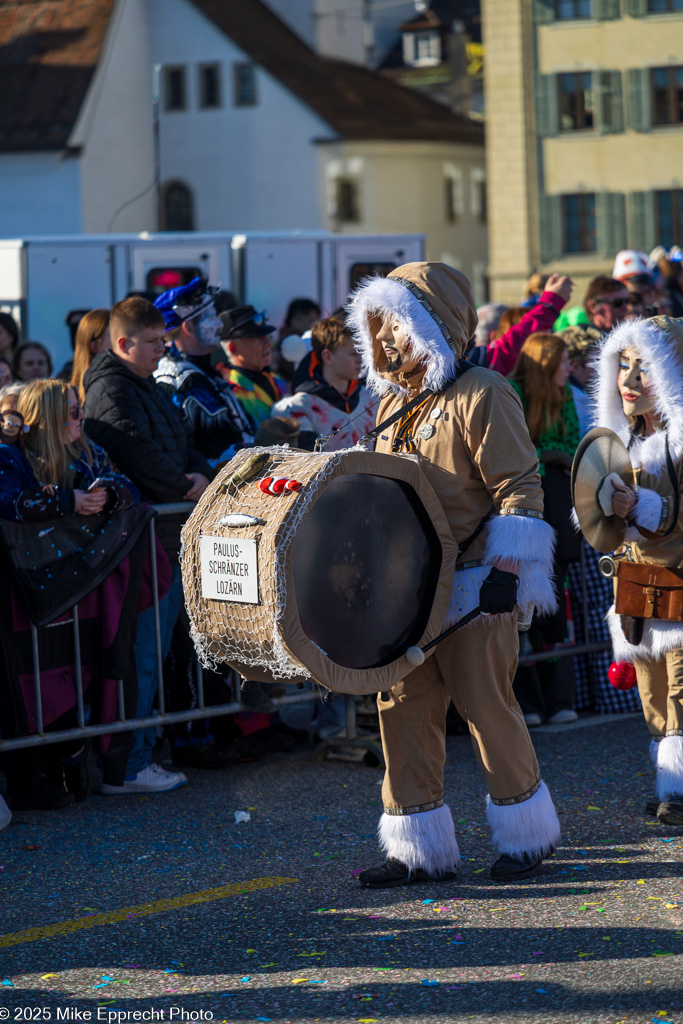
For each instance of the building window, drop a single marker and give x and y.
(175, 92)
(578, 223)
(348, 205)
(245, 85)
(427, 48)
(669, 212)
(667, 95)
(660, 6)
(177, 207)
(209, 86)
(571, 9)
(575, 97)
(451, 207)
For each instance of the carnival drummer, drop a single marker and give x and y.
(640, 398)
(470, 437)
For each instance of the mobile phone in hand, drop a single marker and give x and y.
(102, 481)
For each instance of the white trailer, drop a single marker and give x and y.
(43, 279)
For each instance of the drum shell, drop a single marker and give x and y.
(271, 632)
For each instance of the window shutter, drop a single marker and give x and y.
(606, 10)
(636, 8)
(547, 114)
(639, 106)
(550, 227)
(611, 222)
(544, 11)
(609, 102)
(642, 227)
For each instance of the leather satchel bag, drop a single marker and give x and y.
(649, 591)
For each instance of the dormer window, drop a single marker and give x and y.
(422, 49)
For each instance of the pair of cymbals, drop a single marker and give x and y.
(600, 453)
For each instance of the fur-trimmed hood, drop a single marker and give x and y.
(659, 341)
(434, 303)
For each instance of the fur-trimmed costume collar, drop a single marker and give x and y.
(659, 342)
(433, 302)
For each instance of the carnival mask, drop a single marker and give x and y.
(396, 345)
(634, 384)
(208, 327)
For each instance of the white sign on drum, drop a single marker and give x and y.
(229, 569)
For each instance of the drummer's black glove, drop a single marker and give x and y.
(498, 592)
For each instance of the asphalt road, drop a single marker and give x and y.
(164, 904)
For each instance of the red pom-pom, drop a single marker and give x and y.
(622, 675)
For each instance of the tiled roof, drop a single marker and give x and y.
(49, 50)
(356, 102)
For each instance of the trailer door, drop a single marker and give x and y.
(61, 277)
(357, 258)
(277, 270)
(157, 266)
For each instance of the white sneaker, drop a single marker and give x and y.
(532, 719)
(563, 717)
(152, 779)
(5, 814)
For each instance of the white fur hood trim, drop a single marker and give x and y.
(424, 840)
(386, 296)
(663, 358)
(530, 827)
(659, 637)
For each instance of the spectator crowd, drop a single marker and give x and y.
(158, 397)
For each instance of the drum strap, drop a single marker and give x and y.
(461, 367)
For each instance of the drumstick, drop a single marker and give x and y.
(416, 655)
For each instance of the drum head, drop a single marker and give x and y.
(364, 596)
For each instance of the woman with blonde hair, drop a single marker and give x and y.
(92, 336)
(540, 378)
(52, 472)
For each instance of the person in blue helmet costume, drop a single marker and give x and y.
(218, 424)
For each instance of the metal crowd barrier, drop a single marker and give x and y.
(122, 724)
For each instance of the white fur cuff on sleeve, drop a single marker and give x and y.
(648, 510)
(520, 538)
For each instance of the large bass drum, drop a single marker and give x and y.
(317, 566)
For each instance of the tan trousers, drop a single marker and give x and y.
(660, 684)
(474, 668)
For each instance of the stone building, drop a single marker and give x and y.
(584, 133)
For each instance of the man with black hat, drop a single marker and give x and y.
(218, 424)
(246, 342)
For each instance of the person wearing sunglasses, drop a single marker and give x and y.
(246, 341)
(606, 303)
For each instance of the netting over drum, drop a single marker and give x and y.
(254, 638)
(357, 559)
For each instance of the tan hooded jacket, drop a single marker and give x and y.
(659, 342)
(471, 439)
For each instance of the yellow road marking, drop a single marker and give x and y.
(49, 931)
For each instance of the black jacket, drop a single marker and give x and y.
(144, 434)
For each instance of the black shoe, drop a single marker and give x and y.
(393, 873)
(651, 807)
(40, 794)
(513, 869)
(203, 755)
(670, 812)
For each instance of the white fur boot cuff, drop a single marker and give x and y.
(530, 827)
(669, 779)
(425, 840)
